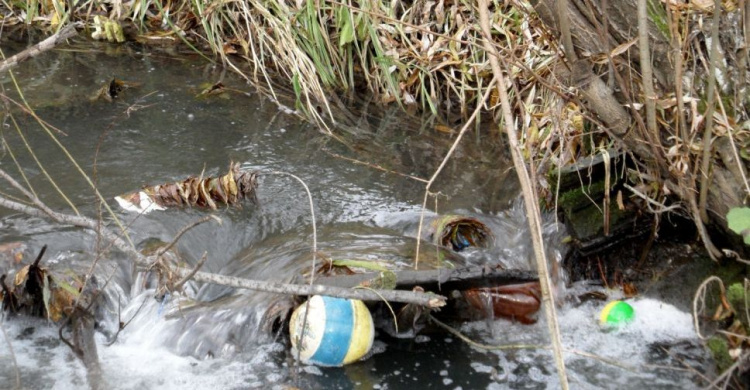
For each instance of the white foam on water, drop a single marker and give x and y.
(596, 356)
(130, 363)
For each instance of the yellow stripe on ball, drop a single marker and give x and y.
(363, 333)
(616, 313)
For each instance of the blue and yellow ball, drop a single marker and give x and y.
(339, 331)
(617, 313)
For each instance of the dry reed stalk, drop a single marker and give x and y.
(530, 201)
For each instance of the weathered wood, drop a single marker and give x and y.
(33, 51)
(439, 280)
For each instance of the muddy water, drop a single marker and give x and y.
(159, 131)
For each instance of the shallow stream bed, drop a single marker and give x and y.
(160, 131)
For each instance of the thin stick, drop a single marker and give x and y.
(662, 207)
(15, 161)
(66, 32)
(567, 38)
(529, 197)
(646, 70)
(425, 299)
(312, 215)
(39, 163)
(190, 275)
(38, 203)
(502, 347)
(375, 166)
(487, 347)
(74, 162)
(729, 371)
(184, 230)
(442, 165)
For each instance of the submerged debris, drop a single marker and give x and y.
(37, 293)
(516, 301)
(209, 192)
(458, 232)
(111, 90)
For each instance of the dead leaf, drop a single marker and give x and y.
(21, 276)
(444, 129)
(629, 290)
(209, 192)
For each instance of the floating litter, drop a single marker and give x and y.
(458, 232)
(339, 331)
(617, 313)
(138, 202)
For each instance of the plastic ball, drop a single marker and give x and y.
(338, 331)
(616, 313)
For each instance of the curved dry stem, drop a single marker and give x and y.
(530, 199)
(41, 166)
(312, 215)
(488, 347)
(727, 374)
(699, 301)
(390, 308)
(190, 275)
(185, 229)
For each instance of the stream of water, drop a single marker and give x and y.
(159, 132)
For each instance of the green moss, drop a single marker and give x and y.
(731, 272)
(385, 281)
(720, 350)
(580, 197)
(736, 296)
(589, 222)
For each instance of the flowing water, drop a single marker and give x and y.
(159, 132)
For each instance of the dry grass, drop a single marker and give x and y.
(423, 55)
(427, 56)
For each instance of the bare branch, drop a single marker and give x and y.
(426, 299)
(187, 277)
(65, 33)
(184, 230)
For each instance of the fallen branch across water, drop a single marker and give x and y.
(441, 279)
(425, 299)
(65, 33)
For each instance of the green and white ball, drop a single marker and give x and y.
(339, 331)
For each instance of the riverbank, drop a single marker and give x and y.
(570, 103)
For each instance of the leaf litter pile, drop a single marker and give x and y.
(202, 192)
